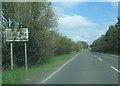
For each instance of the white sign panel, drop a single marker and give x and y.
(20, 34)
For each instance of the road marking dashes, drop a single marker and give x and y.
(100, 59)
(110, 66)
(115, 69)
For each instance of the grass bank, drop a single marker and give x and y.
(20, 76)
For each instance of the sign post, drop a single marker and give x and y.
(11, 46)
(17, 35)
(25, 56)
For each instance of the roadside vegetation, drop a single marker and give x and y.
(46, 48)
(20, 76)
(44, 40)
(110, 41)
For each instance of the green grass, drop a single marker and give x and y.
(20, 76)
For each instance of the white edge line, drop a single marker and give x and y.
(100, 59)
(115, 69)
(59, 69)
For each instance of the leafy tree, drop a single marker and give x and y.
(40, 19)
(63, 45)
(84, 44)
(108, 42)
(44, 41)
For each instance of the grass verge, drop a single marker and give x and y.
(20, 76)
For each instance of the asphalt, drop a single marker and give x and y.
(87, 68)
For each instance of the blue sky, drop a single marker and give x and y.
(85, 21)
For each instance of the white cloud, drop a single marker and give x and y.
(59, 11)
(79, 28)
(60, 8)
(75, 22)
(114, 4)
(69, 4)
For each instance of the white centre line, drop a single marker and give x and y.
(59, 69)
(100, 59)
(115, 69)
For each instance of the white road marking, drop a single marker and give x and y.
(59, 69)
(100, 59)
(115, 69)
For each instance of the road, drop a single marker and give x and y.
(87, 68)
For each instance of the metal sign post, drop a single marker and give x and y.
(25, 56)
(11, 46)
(17, 35)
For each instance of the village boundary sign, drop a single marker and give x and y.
(17, 35)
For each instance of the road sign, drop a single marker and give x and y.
(20, 34)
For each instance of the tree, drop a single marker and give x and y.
(40, 19)
(63, 45)
(84, 44)
(108, 42)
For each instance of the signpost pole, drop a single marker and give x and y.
(15, 35)
(11, 46)
(26, 57)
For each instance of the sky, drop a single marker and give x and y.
(85, 21)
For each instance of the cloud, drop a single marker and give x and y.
(114, 4)
(76, 21)
(61, 8)
(79, 28)
(69, 4)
